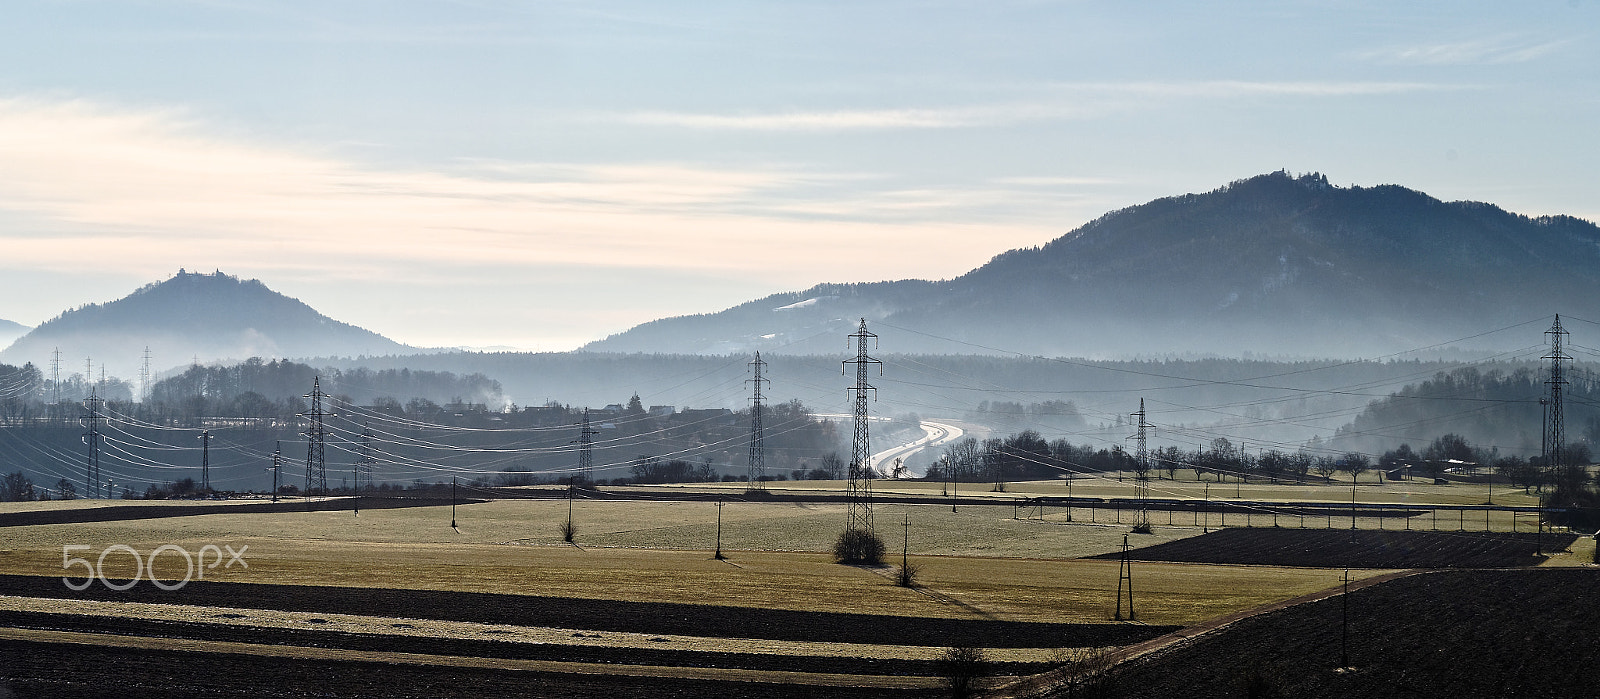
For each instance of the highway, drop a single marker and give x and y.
(935, 435)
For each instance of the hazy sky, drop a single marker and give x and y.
(539, 174)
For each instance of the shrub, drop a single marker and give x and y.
(961, 666)
(1086, 672)
(856, 546)
(907, 577)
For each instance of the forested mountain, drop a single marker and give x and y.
(257, 388)
(1496, 409)
(1274, 264)
(207, 317)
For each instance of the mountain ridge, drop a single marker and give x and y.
(1344, 270)
(11, 330)
(211, 316)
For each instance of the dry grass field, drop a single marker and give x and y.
(977, 562)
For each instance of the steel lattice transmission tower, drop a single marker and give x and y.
(758, 448)
(144, 377)
(859, 494)
(205, 460)
(1141, 478)
(1554, 437)
(316, 440)
(585, 451)
(363, 470)
(91, 439)
(55, 383)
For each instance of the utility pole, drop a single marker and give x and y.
(585, 452)
(277, 467)
(569, 532)
(1125, 582)
(316, 436)
(205, 461)
(954, 480)
(1344, 634)
(1352, 509)
(1544, 432)
(859, 493)
(905, 550)
(452, 502)
(758, 468)
(718, 555)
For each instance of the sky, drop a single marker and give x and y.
(535, 175)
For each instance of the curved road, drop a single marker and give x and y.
(935, 434)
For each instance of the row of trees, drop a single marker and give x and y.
(1028, 456)
(18, 487)
(253, 389)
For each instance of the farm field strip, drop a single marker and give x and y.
(391, 657)
(1074, 591)
(1414, 493)
(507, 633)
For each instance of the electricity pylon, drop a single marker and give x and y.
(859, 494)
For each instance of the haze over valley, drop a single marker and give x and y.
(1269, 312)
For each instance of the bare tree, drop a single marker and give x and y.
(833, 465)
(1325, 466)
(15, 487)
(1355, 464)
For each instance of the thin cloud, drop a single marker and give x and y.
(847, 120)
(1062, 101)
(1488, 51)
(135, 189)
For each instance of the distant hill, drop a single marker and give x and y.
(209, 316)
(1274, 264)
(10, 331)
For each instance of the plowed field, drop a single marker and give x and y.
(1324, 548)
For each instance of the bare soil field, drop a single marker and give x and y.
(1485, 633)
(608, 615)
(1324, 548)
(69, 671)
